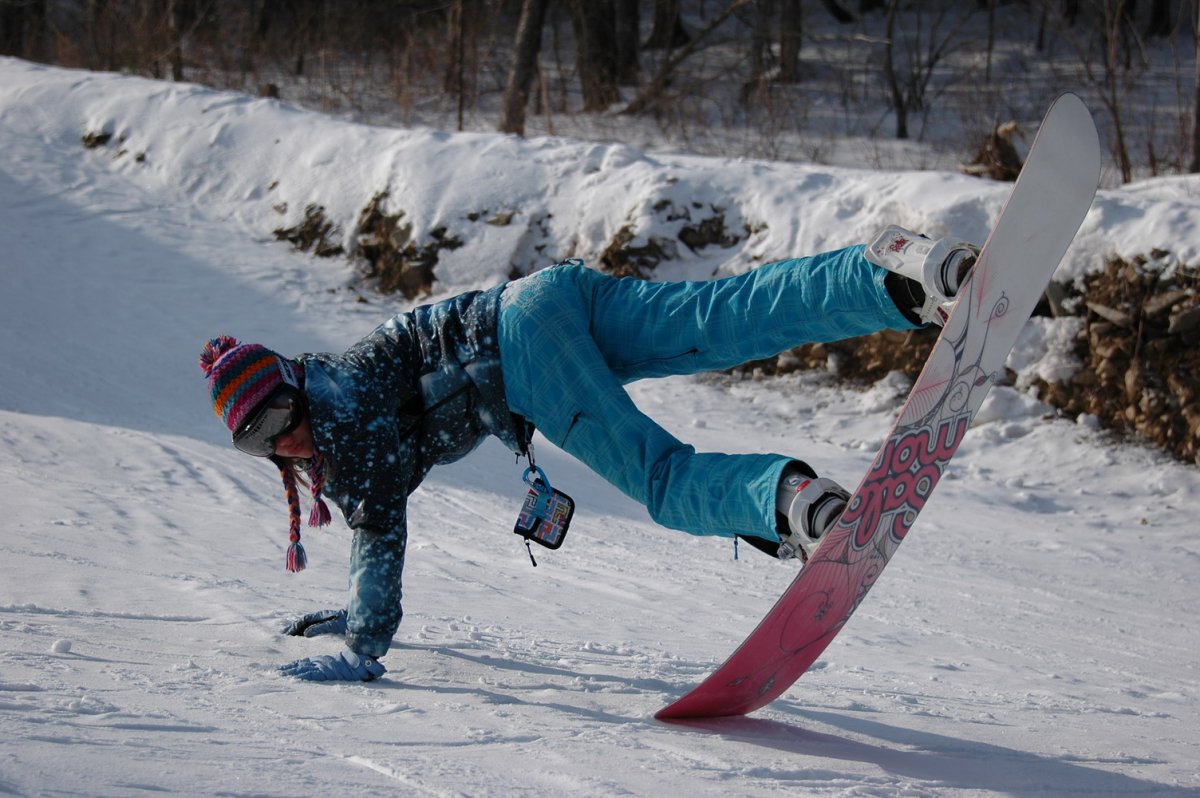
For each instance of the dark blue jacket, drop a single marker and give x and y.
(424, 388)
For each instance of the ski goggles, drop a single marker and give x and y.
(279, 414)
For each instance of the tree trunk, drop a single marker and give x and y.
(899, 103)
(1111, 89)
(595, 52)
(760, 47)
(99, 35)
(837, 12)
(1070, 11)
(991, 38)
(626, 24)
(12, 28)
(1043, 18)
(461, 16)
(1160, 18)
(790, 30)
(177, 20)
(651, 93)
(524, 66)
(1194, 166)
(668, 32)
(23, 28)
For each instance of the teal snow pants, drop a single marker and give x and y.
(571, 338)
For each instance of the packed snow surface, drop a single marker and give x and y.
(1037, 634)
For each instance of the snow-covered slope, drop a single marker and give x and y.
(1036, 634)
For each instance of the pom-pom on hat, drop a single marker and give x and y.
(241, 377)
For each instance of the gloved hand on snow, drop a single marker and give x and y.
(321, 622)
(344, 667)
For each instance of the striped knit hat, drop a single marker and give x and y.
(241, 377)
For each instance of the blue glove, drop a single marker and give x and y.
(344, 667)
(321, 622)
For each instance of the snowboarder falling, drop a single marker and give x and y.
(553, 351)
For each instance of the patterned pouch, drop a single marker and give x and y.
(546, 513)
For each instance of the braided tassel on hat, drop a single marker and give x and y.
(297, 559)
(319, 515)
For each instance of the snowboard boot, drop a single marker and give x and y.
(806, 505)
(925, 274)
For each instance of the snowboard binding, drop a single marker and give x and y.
(935, 270)
(811, 505)
(806, 506)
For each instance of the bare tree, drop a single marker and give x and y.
(837, 12)
(627, 21)
(460, 27)
(1160, 18)
(653, 91)
(910, 81)
(760, 15)
(23, 28)
(668, 31)
(990, 5)
(179, 15)
(1109, 71)
(899, 100)
(1194, 166)
(526, 48)
(791, 28)
(595, 52)
(12, 28)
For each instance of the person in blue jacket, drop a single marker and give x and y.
(553, 351)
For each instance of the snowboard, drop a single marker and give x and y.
(1039, 220)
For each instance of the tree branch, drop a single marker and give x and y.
(655, 88)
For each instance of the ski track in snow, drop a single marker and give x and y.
(1036, 634)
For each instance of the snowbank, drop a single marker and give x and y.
(261, 162)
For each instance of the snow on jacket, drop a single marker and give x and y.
(422, 389)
